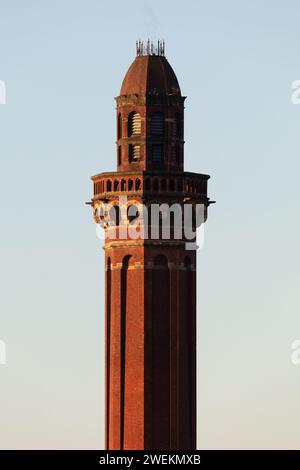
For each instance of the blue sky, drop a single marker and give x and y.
(63, 64)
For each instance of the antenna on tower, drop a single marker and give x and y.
(149, 48)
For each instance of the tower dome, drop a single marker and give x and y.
(150, 73)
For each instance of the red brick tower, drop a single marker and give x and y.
(150, 283)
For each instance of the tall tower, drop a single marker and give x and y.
(150, 282)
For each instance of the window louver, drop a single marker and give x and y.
(157, 153)
(157, 123)
(134, 153)
(134, 124)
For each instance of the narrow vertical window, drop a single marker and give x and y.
(137, 184)
(119, 126)
(116, 185)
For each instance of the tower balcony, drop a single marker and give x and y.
(142, 184)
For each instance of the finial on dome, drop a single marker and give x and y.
(149, 48)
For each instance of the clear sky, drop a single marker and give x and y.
(63, 63)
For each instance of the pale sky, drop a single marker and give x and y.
(63, 64)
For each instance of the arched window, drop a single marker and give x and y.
(134, 124)
(134, 153)
(119, 155)
(177, 126)
(132, 212)
(114, 215)
(172, 185)
(108, 186)
(137, 184)
(164, 185)
(147, 184)
(123, 185)
(157, 123)
(116, 185)
(130, 185)
(155, 185)
(119, 126)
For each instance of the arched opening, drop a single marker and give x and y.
(116, 185)
(147, 184)
(155, 184)
(172, 185)
(130, 185)
(164, 185)
(108, 186)
(137, 184)
(114, 215)
(132, 212)
(123, 185)
(134, 124)
(119, 155)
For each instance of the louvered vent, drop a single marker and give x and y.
(134, 153)
(157, 124)
(134, 124)
(157, 153)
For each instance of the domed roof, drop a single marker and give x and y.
(151, 75)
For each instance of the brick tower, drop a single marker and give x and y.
(150, 283)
